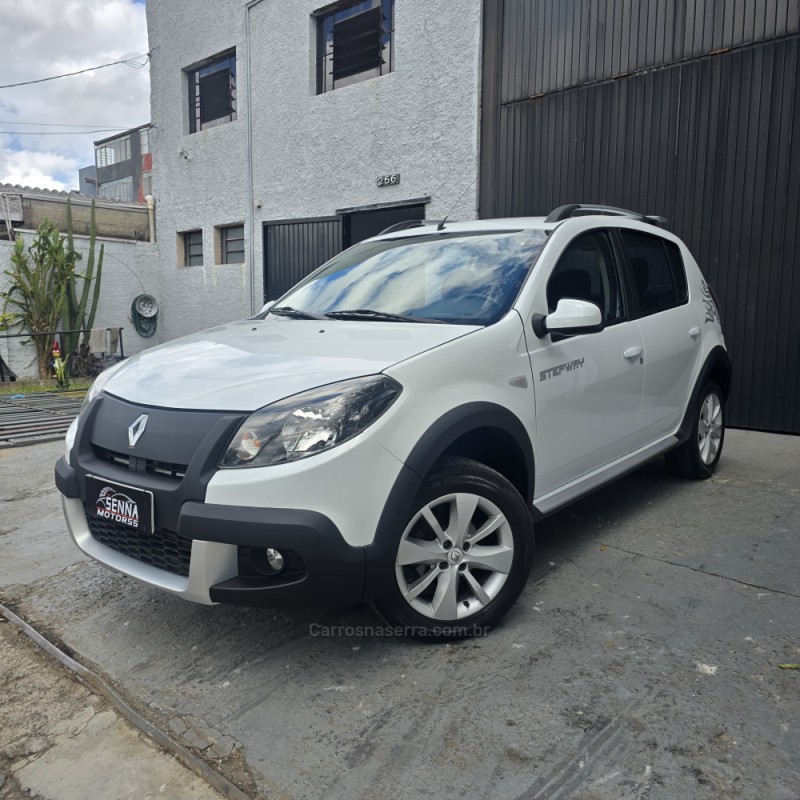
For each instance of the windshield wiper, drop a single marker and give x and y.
(380, 316)
(295, 313)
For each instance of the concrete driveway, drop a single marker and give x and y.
(641, 661)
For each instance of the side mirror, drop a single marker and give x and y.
(266, 307)
(571, 316)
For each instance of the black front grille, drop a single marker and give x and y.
(135, 464)
(162, 549)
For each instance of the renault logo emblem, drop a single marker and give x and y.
(136, 430)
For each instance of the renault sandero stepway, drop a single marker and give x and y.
(392, 428)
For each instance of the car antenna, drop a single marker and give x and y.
(440, 226)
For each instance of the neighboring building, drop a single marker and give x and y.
(288, 131)
(124, 165)
(87, 181)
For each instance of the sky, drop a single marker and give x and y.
(41, 38)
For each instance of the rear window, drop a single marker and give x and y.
(657, 271)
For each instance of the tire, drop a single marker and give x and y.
(465, 516)
(697, 458)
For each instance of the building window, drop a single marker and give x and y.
(229, 245)
(121, 189)
(144, 140)
(190, 249)
(354, 43)
(112, 152)
(212, 92)
(147, 184)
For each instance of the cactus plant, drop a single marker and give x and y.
(75, 306)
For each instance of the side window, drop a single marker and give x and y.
(587, 271)
(657, 271)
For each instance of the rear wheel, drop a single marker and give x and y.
(697, 458)
(463, 556)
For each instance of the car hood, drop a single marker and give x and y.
(248, 364)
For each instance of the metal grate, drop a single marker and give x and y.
(169, 470)
(161, 549)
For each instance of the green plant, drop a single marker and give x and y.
(77, 304)
(35, 295)
(61, 371)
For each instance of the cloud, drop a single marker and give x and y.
(51, 37)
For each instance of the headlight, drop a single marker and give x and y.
(310, 422)
(99, 383)
(69, 439)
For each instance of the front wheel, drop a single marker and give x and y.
(464, 555)
(698, 457)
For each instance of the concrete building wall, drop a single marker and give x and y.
(312, 154)
(129, 269)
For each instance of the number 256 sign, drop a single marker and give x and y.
(389, 180)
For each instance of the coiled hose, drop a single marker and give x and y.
(144, 315)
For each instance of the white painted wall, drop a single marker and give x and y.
(312, 154)
(129, 269)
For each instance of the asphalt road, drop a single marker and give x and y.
(641, 661)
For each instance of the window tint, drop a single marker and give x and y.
(657, 271)
(586, 271)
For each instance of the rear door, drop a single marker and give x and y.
(670, 326)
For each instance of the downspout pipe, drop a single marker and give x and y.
(251, 249)
(151, 216)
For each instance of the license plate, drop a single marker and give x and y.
(117, 502)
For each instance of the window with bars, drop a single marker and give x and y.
(231, 244)
(112, 152)
(212, 92)
(121, 189)
(354, 43)
(192, 248)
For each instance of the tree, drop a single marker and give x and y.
(35, 295)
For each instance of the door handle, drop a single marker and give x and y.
(694, 332)
(633, 352)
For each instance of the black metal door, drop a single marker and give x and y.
(295, 248)
(361, 225)
(694, 116)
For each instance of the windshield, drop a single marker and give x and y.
(463, 279)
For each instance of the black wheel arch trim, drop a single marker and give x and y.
(426, 452)
(717, 357)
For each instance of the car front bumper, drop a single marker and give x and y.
(215, 526)
(328, 570)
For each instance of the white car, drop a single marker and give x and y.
(392, 428)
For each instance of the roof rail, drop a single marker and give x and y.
(409, 223)
(565, 212)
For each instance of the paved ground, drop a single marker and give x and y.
(641, 661)
(60, 741)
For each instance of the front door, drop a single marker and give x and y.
(588, 387)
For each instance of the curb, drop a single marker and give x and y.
(219, 782)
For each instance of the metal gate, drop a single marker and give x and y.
(685, 108)
(295, 248)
